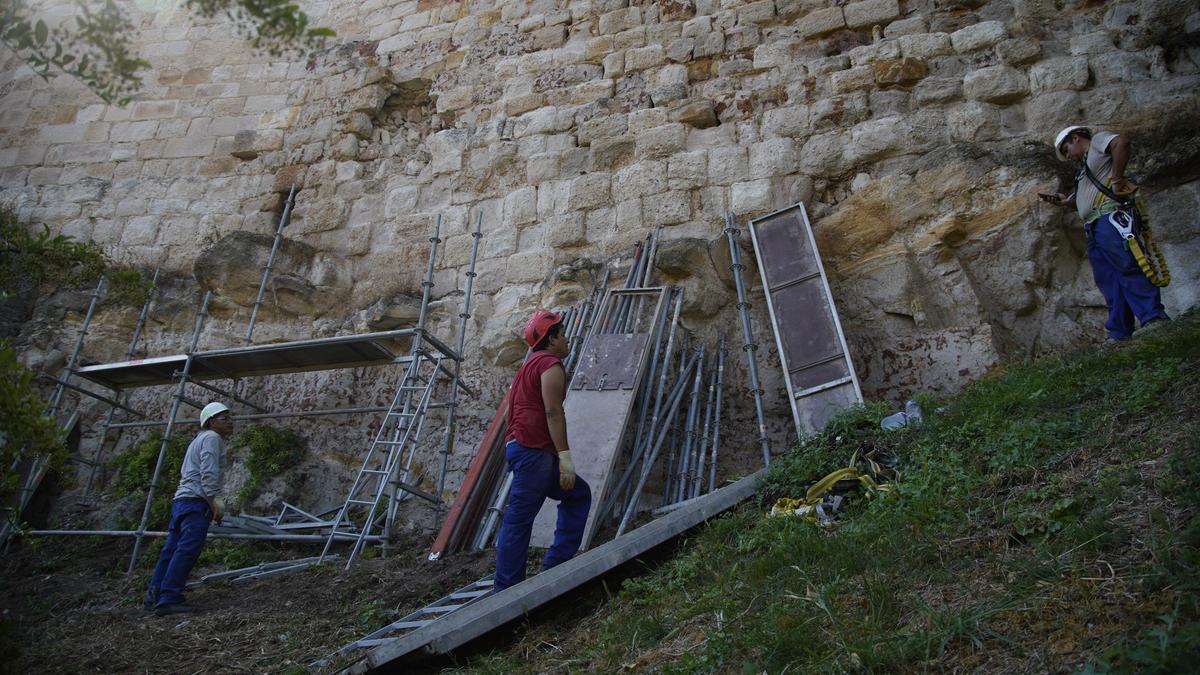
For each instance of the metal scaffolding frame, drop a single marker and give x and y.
(428, 360)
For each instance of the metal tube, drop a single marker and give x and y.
(56, 397)
(222, 392)
(262, 286)
(63, 384)
(464, 315)
(712, 464)
(494, 513)
(731, 234)
(162, 448)
(702, 454)
(686, 469)
(215, 535)
(108, 420)
(672, 409)
(618, 324)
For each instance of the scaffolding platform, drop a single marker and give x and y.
(478, 618)
(343, 351)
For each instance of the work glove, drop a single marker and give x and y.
(1124, 188)
(566, 470)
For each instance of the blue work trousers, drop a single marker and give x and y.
(186, 534)
(1127, 291)
(535, 477)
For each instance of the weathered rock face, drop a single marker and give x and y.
(915, 132)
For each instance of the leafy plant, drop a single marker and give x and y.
(25, 429)
(36, 258)
(136, 470)
(98, 49)
(271, 452)
(128, 286)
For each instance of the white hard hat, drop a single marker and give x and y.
(1062, 136)
(210, 410)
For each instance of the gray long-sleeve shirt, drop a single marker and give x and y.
(200, 475)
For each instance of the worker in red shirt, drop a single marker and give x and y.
(539, 457)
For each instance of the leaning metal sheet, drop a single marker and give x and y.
(812, 348)
(346, 351)
(598, 403)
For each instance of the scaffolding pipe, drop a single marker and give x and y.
(464, 315)
(716, 441)
(222, 392)
(686, 469)
(162, 448)
(494, 512)
(702, 454)
(63, 384)
(672, 409)
(152, 534)
(56, 398)
(731, 234)
(262, 286)
(112, 412)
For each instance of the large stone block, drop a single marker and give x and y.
(528, 266)
(590, 191)
(446, 150)
(619, 20)
(791, 121)
(871, 12)
(520, 207)
(879, 138)
(901, 71)
(978, 36)
(820, 22)
(566, 230)
(688, 170)
(1064, 72)
(644, 57)
(938, 90)
(667, 208)
(974, 121)
(728, 164)
(612, 151)
(1018, 51)
(1098, 42)
(1117, 66)
(750, 196)
(638, 179)
(887, 50)
(995, 84)
(1046, 113)
(853, 79)
(696, 113)
(661, 141)
(190, 146)
(772, 157)
(926, 45)
(822, 154)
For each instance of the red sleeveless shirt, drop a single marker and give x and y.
(526, 410)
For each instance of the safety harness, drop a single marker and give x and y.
(871, 476)
(1130, 220)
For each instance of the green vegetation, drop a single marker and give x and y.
(1044, 521)
(37, 258)
(128, 286)
(98, 49)
(136, 470)
(25, 431)
(271, 452)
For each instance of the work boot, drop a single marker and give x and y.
(150, 599)
(1153, 325)
(173, 608)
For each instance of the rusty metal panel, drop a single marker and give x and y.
(600, 398)
(818, 371)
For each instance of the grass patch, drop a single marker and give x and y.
(1044, 521)
(136, 470)
(270, 452)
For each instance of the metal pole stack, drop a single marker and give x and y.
(743, 306)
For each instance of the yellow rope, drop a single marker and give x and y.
(1154, 265)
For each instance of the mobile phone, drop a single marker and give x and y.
(1048, 197)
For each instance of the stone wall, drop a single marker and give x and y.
(915, 132)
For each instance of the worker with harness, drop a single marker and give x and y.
(1126, 263)
(539, 457)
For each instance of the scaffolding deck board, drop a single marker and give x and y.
(344, 351)
(482, 616)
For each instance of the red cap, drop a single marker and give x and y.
(538, 325)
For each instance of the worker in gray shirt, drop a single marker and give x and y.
(194, 507)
